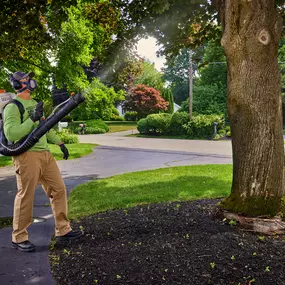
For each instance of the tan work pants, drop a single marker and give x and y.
(33, 168)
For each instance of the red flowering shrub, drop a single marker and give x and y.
(145, 100)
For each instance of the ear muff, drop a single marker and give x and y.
(15, 83)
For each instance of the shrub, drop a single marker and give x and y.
(154, 124)
(144, 100)
(142, 126)
(117, 118)
(111, 115)
(158, 123)
(131, 116)
(98, 124)
(94, 130)
(74, 126)
(68, 138)
(177, 121)
(228, 131)
(67, 119)
(203, 126)
(220, 135)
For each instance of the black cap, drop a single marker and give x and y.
(18, 75)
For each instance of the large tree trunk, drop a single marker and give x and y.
(252, 30)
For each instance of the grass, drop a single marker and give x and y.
(72, 126)
(160, 136)
(167, 184)
(108, 126)
(5, 161)
(75, 151)
(120, 126)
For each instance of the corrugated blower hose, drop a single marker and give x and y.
(31, 139)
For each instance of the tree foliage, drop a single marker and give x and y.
(150, 76)
(168, 97)
(176, 73)
(100, 101)
(144, 100)
(123, 77)
(74, 50)
(24, 29)
(207, 99)
(210, 79)
(213, 70)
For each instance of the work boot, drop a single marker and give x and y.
(70, 236)
(24, 246)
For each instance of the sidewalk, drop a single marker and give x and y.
(222, 147)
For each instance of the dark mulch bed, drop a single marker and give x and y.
(6, 222)
(169, 243)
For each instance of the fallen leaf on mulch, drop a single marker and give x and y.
(168, 243)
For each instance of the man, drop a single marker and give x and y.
(35, 166)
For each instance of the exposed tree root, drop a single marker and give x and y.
(266, 226)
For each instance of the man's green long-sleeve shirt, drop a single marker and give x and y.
(15, 130)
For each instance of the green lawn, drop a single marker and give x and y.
(5, 161)
(108, 126)
(160, 136)
(75, 151)
(121, 126)
(166, 184)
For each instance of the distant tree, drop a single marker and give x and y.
(213, 70)
(168, 96)
(126, 71)
(176, 72)
(150, 76)
(144, 100)
(207, 99)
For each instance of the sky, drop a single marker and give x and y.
(147, 48)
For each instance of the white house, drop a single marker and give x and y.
(176, 107)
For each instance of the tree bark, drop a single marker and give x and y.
(251, 35)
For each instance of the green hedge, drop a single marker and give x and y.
(117, 118)
(155, 124)
(91, 130)
(142, 126)
(178, 120)
(97, 124)
(201, 126)
(131, 116)
(68, 138)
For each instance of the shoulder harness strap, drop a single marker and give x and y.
(20, 107)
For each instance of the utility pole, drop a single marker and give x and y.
(190, 85)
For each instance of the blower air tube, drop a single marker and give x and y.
(30, 140)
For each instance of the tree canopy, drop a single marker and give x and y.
(150, 76)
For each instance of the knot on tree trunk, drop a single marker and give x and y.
(264, 37)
